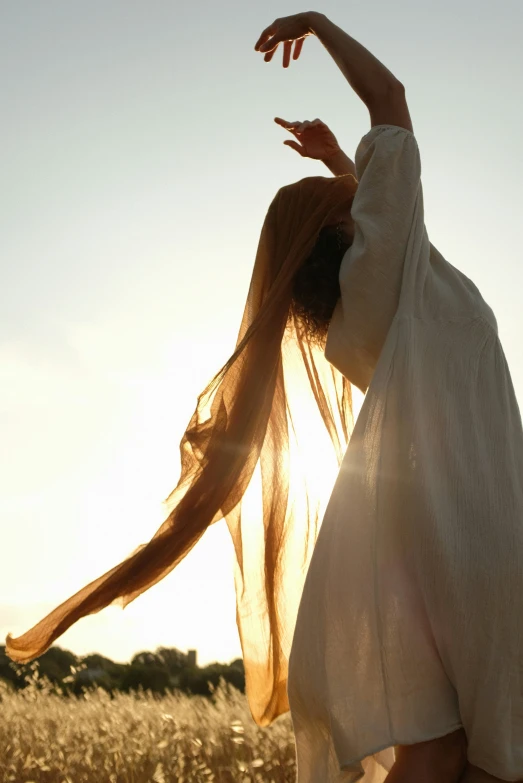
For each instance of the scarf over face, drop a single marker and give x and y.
(275, 410)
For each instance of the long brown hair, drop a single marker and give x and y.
(253, 421)
(316, 285)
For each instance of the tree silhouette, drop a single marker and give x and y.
(160, 671)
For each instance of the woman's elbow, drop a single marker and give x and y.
(391, 108)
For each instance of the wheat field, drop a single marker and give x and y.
(46, 737)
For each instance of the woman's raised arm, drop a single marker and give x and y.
(381, 92)
(378, 88)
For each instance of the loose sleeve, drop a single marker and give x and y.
(387, 210)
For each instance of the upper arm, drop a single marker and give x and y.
(391, 108)
(389, 232)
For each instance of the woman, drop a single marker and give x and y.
(389, 634)
(408, 630)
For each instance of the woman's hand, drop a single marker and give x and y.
(286, 29)
(316, 139)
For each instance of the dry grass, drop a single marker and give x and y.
(49, 738)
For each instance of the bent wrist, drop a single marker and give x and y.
(339, 163)
(315, 19)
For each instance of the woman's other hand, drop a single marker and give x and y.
(285, 30)
(316, 139)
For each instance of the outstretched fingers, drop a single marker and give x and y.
(264, 37)
(296, 147)
(269, 41)
(287, 48)
(298, 48)
(295, 127)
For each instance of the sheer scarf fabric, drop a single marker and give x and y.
(272, 414)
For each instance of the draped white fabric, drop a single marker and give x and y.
(410, 623)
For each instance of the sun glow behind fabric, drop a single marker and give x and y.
(139, 156)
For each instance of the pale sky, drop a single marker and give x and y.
(138, 158)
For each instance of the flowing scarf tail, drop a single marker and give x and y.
(250, 454)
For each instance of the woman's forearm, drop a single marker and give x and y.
(369, 78)
(340, 164)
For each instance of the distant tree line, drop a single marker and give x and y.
(164, 670)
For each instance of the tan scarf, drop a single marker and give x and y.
(262, 417)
